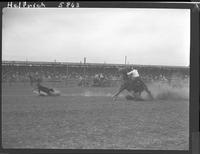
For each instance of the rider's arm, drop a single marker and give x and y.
(134, 73)
(129, 73)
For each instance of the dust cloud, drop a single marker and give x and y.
(176, 90)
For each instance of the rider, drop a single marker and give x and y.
(133, 74)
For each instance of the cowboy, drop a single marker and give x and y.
(133, 74)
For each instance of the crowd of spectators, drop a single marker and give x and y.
(15, 73)
(48, 73)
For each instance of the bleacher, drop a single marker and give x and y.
(18, 71)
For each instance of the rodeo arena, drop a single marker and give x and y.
(63, 105)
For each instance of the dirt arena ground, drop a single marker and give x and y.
(88, 118)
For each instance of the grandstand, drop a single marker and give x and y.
(70, 64)
(59, 71)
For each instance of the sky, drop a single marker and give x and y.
(102, 35)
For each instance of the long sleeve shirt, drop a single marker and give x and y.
(134, 73)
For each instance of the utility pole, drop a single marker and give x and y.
(84, 71)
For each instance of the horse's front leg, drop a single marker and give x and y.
(117, 93)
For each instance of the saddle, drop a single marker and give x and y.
(135, 85)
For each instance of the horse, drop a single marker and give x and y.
(136, 87)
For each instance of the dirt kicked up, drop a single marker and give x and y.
(87, 118)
